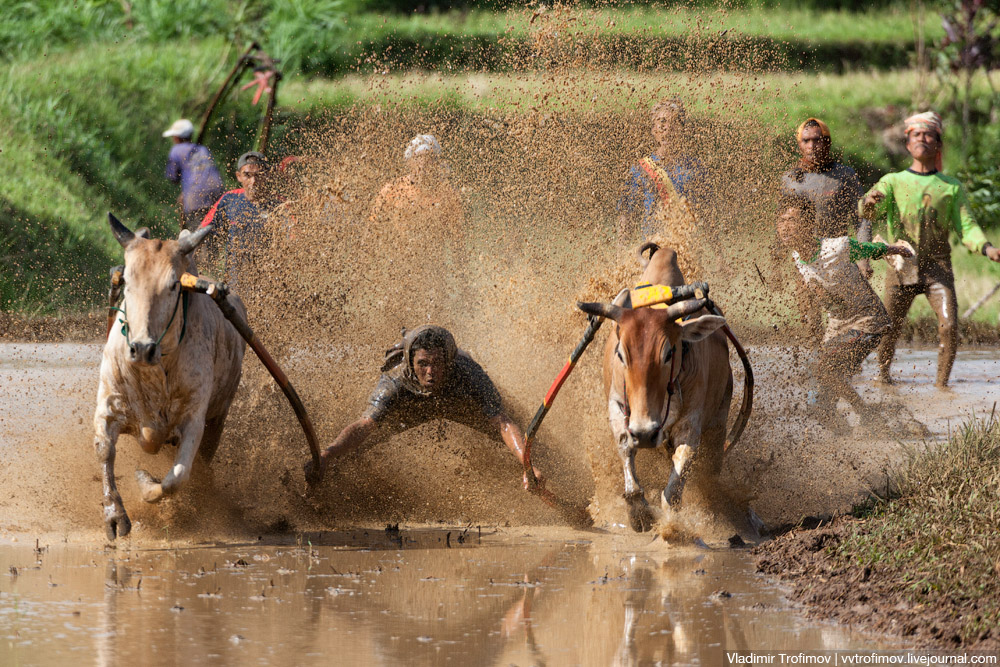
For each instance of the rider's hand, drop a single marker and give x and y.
(993, 253)
(871, 201)
(902, 251)
(313, 475)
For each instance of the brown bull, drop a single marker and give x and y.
(169, 374)
(667, 381)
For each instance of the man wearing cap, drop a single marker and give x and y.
(425, 377)
(423, 198)
(923, 206)
(191, 165)
(833, 189)
(240, 214)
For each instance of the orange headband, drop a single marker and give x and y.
(823, 129)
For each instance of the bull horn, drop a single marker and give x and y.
(188, 242)
(652, 248)
(121, 232)
(685, 308)
(608, 310)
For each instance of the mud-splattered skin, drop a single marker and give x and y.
(155, 385)
(645, 351)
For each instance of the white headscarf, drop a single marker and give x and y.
(422, 143)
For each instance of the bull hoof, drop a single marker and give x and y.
(116, 522)
(149, 487)
(640, 517)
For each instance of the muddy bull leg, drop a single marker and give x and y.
(689, 439)
(153, 490)
(640, 517)
(116, 520)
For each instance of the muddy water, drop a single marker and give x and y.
(414, 597)
(195, 577)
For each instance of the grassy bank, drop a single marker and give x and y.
(84, 129)
(331, 38)
(923, 561)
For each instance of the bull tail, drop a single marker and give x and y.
(744, 415)
(644, 260)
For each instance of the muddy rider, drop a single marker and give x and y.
(923, 206)
(833, 189)
(426, 377)
(856, 317)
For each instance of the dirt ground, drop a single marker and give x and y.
(862, 597)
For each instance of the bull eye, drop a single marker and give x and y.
(620, 354)
(668, 352)
(175, 286)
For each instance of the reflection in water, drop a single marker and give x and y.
(406, 598)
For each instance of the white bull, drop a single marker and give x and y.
(168, 374)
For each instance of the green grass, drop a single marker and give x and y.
(328, 37)
(85, 132)
(936, 536)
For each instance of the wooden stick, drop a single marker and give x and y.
(974, 307)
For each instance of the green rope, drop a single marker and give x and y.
(125, 327)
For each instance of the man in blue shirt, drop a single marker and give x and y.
(240, 215)
(663, 178)
(191, 165)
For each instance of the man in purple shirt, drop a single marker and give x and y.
(191, 165)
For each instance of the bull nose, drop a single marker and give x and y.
(143, 353)
(646, 433)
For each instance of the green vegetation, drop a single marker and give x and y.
(85, 135)
(87, 88)
(936, 534)
(330, 37)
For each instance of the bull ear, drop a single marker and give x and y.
(696, 329)
(188, 242)
(685, 308)
(122, 233)
(608, 310)
(142, 232)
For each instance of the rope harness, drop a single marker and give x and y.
(182, 297)
(671, 387)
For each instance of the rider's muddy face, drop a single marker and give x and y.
(431, 368)
(923, 144)
(253, 178)
(813, 145)
(793, 229)
(667, 126)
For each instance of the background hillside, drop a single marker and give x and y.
(87, 89)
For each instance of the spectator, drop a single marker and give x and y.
(191, 165)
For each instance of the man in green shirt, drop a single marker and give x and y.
(923, 207)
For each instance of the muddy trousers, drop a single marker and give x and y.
(840, 359)
(944, 302)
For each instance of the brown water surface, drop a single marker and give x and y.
(416, 597)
